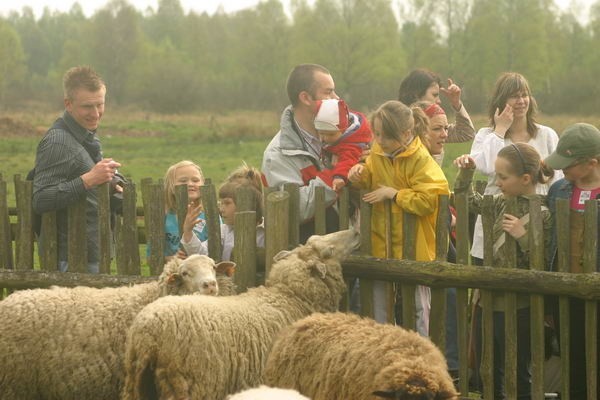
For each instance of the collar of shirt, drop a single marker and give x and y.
(314, 143)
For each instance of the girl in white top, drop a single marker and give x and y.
(512, 114)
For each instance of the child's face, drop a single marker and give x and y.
(580, 170)
(329, 137)
(191, 177)
(388, 145)
(510, 183)
(227, 210)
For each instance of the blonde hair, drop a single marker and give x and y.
(247, 173)
(395, 117)
(169, 182)
(81, 77)
(245, 176)
(422, 125)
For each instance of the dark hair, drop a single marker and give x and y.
(507, 85)
(229, 189)
(396, 118)
(301, 79)
(414, 86)
(524, 159)
(81, 77)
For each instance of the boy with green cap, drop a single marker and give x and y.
(578, 156)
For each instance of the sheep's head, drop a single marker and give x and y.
(313, 271)
(415, 379)
(195, 274)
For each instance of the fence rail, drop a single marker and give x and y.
(145, 225)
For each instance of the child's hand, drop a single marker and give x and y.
(513, 226)
(338, 184)
(380, 194)
(191, 218)
(355, 172)
(503, 120)
(464, 161)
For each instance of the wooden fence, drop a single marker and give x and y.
(145, 224)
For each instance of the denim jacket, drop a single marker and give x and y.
(562, 189)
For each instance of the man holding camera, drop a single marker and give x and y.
(69, 162)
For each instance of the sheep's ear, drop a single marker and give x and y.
(319, 267)
(281, 255)
(174, 279)
(327, 252)
(225, 268)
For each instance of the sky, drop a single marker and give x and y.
(210, 6)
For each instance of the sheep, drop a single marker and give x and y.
(267, 393)
(68, 343)
(206, 348)
(344, 356)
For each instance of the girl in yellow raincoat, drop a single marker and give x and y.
(401, 169)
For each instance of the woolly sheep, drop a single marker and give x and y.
(206, 348)
(68, 343)
(343, 356)
(267, 393)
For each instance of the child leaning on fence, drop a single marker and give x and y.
(183, 173)
(400, 169)
(518, 169)
(578, 156)
(243, 178)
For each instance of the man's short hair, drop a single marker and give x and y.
(301, 79)
(81, 77)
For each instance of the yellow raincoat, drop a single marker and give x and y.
(419, 180)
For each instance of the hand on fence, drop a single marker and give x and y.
(380, 194)
(355, 173)
(464, 161)
(513, 226)
(102, 172)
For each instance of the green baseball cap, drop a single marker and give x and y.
(578, 141)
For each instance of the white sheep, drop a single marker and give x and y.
(198, 348)
(344, 356)
(68, 343)
(267, 393)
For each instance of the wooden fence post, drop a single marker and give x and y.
(105, 235)
(77, 254)
(155, 225)
(276, 226)
(213, 220)
(409, 252)
(320, 211)
(590, 252)
(366, 285)
(244, 251)
(437, 317)
(465, 336)
(24, 194)
(129, 261)
(6, 249)
(487, 314)
(294, 215)
(510, 313)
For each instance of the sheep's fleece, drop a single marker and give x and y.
(343, 356)
(68, 343)
(267, 393)
(204, 348)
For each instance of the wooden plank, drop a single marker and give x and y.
(131, 253)
(276, 229)
(486, 368)
(365, 285)
(409, 252)
(320, 211)
(590, 254)
(155, 226)
(244, 251)
(6, 249)
(213, 221)
(24, 193)
(563, 228)
(77, 256)
(463, 248)
(105, 237)
(294, 215)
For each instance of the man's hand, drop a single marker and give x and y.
(100, 173)
(380, 194)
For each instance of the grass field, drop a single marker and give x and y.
(146, 144)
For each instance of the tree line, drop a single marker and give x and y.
(167, 60)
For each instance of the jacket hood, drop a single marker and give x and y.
(409, 151)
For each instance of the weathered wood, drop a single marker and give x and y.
(510, 314)
(24, 194)
(48, 242)
(563, 227)
(244, 251)
(77, 256)
(445, 274)
(181, 206)
(44, 279)
(6, 249)
(344, 208)
(590, 250)
(320, 211)
(365, 284)
(294, 215)
(537, 263)
(105, 238)
(154, 203)
(438, 313)
(211, 211)
(409, 252)
(130, 258)
(486, 368)
(276, 225)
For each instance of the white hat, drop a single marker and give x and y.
(331, 115)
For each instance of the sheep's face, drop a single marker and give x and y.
(337, 245)
(196, 274)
